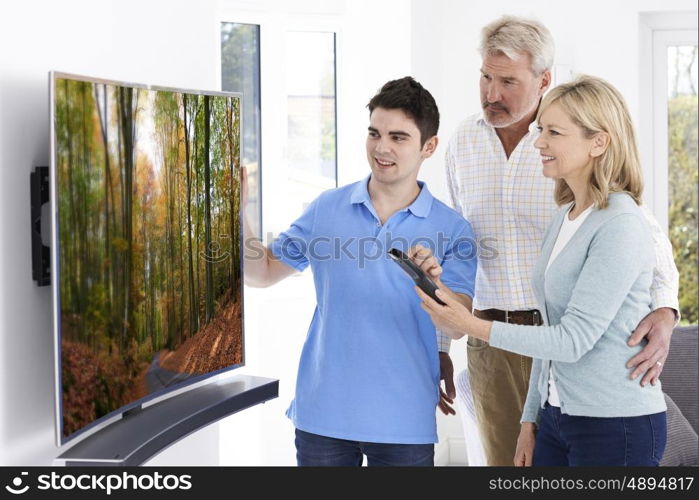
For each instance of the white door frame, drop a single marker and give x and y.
(658, 31)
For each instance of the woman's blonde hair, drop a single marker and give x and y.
(596, 106)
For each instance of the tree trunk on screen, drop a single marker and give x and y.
(127, 121)
(197, 215)
(193, 315)
(207, 213)
(72, 259)
(233, 140)
(108, 263)
(144, 326)
(169, 259)
(119, 258)
(82, 232)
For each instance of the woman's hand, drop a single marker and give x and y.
(451, 319)
(525, 445)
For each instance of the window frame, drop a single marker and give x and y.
(219, 79)
(273, 24)
(299, 174)
(658, 31)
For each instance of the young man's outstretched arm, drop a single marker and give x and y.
(262, 269)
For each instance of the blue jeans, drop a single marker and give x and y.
(314, 450)
(592, 441)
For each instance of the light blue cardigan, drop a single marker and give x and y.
(595, 293)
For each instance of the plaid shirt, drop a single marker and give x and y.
(510, 204)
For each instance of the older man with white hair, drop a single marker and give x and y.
(494, 176)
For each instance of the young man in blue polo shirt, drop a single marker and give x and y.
(368, 380)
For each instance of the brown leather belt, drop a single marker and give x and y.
(532, 317)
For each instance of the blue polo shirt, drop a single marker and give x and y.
(369, 369)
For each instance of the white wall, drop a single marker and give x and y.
(170, 43)
(598, 37)
(125, 40)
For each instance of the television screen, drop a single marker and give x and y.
(147, 276)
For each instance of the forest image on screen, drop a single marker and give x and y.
(148, 197)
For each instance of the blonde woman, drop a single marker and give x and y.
(592, 282)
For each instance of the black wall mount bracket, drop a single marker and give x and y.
(41, 254)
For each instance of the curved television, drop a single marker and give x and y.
(146, 253)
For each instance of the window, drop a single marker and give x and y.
(240, 72)
(310, 91)
(668, 139)
(299, 136)
(682, 172)
(310, 109)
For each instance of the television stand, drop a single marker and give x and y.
(140, 435)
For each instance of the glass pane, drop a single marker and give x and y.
(310, 91)
(682, 173)
(240, 71)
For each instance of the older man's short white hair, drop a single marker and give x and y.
(511, 35)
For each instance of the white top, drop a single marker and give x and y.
(568, 229)
(510, 204)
